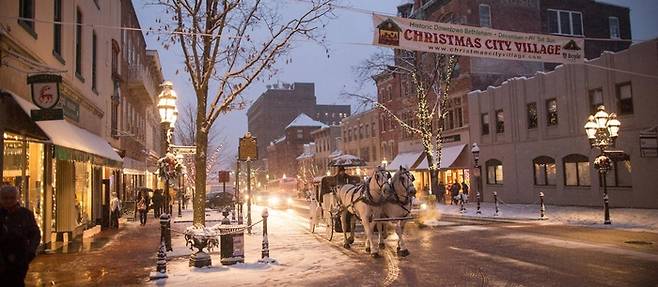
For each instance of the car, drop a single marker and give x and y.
(273, 200)
(219, 200)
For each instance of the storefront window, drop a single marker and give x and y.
(23, 167)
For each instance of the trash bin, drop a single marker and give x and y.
(231, 242)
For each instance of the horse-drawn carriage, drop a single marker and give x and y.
(380, 198)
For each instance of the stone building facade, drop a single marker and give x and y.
(360, 134)
(282, 153)
(535, 140)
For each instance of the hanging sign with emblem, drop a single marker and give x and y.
(45, 90)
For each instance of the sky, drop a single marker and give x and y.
(332, 74)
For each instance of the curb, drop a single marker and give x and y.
(493, 219)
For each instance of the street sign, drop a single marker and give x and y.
(248, 149)
(47, 115)
(224, 176)
(179, 149)
(649, 144)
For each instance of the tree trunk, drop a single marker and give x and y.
(200, 162)
(434, 177)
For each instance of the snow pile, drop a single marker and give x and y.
(625, 218)
(301, 258)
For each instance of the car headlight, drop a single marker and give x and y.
(258, 198)
(423, 206)
(289, 200)
(274, 200)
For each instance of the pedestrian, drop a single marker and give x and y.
(115, 211)
(157, 203)
(465, 191)
(19, 238)
(454, 188)
(142, 208)
(442, 191)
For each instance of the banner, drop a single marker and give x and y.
(426, 36)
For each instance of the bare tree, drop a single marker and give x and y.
(185, 134)
(428, 77)
(227, 45)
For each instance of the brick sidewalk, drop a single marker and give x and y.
(125, 258)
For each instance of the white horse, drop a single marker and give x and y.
(363, 200)
(398, 204)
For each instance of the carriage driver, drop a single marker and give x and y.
(341, 177)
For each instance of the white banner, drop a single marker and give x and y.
(412, 34)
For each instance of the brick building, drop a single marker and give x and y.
(280, 104)
(361, 137)
(283, 152)
(327, 143)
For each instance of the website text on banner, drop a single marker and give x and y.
(412, 34)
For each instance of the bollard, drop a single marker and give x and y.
(161, 268)
(542, 208)
(265, 254)
(495, 195)
(477, 195)
(165, 230)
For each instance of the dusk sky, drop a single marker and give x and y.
(344, 33)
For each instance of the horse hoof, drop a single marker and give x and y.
(350, 240)
(382, 245)
(368, 249)
(346, 246)
(403, 253)
(375, 255)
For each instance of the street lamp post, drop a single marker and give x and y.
(168, 116)
(602, 130)
(475, 150)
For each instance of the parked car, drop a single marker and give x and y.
(219, 200)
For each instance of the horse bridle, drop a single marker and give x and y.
(410, 178)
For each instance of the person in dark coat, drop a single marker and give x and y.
(442, 191)
(465, 191)
(157, 203)
(454, 188)
(19, 238)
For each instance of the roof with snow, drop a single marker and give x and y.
(303, 120)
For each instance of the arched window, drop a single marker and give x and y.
(544, 170)
(494, 171)
(576, 170)
(620, 174)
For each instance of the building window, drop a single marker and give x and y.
(459, 117)
(94, 65)
(544, 170)
(485, 15)
(551, 112)
(595, 99)
(532, 115)
(565, 22)
(625, 98)
(115, 58)
(114, 115)
(500, 122)
(78, 43)
(373, 130)
(613, 23)
(576, 170)
(494, 171)
(620, 174)
(26, 13)
(57, 29)
(485, 123)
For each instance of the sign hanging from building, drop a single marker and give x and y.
(248, 149)
(444, 38)
(45, 90)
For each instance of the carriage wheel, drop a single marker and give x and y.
(329, 230)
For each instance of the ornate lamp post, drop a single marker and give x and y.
(602, 130)
(475, 150)
(168, 115)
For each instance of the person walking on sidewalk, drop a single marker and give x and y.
(454, 188)
(19, 238)
(115, 211)
(142, 205)
(442, 192)
(465, 192)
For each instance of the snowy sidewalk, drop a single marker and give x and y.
(622, 218)
(302, 258)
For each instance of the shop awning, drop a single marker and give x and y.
(405, 159)
(448, 157)
(65, 134)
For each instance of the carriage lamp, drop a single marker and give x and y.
(602, 130)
